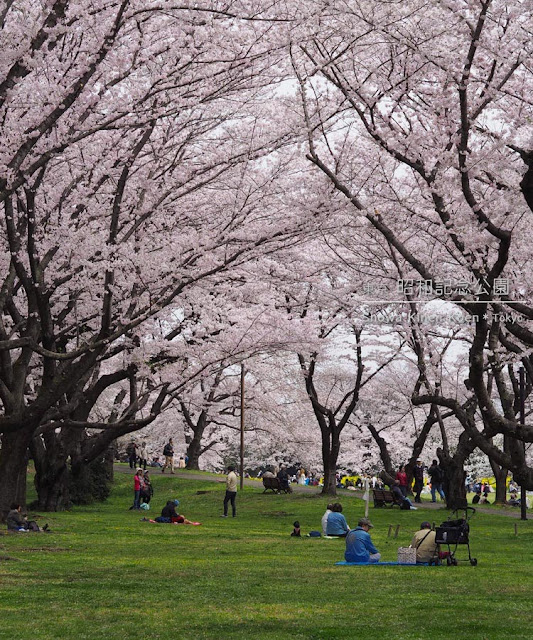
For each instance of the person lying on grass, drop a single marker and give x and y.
(169, 514)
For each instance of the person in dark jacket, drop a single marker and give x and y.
(169, 510)
(283, 478)
(131, 451)
(400, 499)
(436, 474)
(168, 452)
(418, 475)
(15, 520)
(147, 491)
(169, 514)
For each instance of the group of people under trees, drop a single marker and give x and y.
(138, 457)
(283, 476)
(436, 477)
(359, 545)
(142, 489)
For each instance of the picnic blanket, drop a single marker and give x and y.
(191, 523)
(382, 564)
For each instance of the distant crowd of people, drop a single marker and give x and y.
(290, 475)
(138, 457)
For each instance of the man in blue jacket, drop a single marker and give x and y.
(359, 546)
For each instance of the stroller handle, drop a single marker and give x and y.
(468, 511)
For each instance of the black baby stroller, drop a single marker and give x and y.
(454, 532)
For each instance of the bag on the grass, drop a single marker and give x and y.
(406, 555)
(314, 534)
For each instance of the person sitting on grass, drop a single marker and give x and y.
(169, 514)
(514, 500)
(424, 543)
(337, 525)
(324, 521)
(296, 531)
(359, 545)
(17, 522)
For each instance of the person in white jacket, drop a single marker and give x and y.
(325, 519)
(143, 456)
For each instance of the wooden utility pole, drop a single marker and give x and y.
(523, 499)
(242, 426)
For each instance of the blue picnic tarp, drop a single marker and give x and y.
(382, 564)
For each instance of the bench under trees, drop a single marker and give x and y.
(384, 498)
(274, 485)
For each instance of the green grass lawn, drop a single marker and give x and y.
(102, 573)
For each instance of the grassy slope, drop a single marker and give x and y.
(104, 574)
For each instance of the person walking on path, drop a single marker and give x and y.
(131, 451)
(418, 474)
(231, 491)
(143, 456)
(436, 474)
(168, 452)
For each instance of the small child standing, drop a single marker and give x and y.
(296, 530)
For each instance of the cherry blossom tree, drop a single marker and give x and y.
(139, 161)
(440, 119)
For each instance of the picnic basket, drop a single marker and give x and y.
(406, 555)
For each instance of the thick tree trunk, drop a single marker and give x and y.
(86, 479)
(194, 450)
(501, 482)
(52, 487)
(90, 481)
(454, 473)
(51, 473)
(13, 468)
(330, 454)
(454, 486)
(330, 481)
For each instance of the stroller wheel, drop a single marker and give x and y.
(473, 561)
(454, 561)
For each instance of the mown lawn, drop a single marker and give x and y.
(102, 573)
